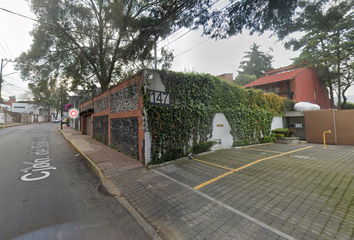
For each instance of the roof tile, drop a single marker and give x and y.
(275, 78)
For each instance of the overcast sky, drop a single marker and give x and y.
(192, 52)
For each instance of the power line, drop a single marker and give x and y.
(193, 47)
(7, 46)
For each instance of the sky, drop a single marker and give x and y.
(192, 51)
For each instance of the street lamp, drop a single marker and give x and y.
(1, 67)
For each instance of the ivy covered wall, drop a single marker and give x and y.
(195, 99)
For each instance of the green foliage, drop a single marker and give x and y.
(284, 131)
(77, 40)
(288, 105)
(267, 139)
(67, 120)
(328, 45)
(255, 62)
(348, 105)
(196, 98)
(242, 79)
(202, 147)
(278, 135)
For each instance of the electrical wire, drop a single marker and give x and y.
(7, 46)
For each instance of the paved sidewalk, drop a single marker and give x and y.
(108, 159)
(285, 192)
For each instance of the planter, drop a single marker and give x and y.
(289, 140)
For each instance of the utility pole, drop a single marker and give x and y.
(1, 67)
(61, 106)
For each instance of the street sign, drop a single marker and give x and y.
(73, 113)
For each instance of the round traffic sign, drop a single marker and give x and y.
(73, 113)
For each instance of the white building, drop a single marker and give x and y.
(28, 108)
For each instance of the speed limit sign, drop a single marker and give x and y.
(73, 113)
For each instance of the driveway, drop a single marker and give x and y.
(271, 191)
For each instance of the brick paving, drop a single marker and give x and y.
(307, 194)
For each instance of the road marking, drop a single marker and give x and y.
(246, 166)
(284, 235)
(213, 164)
(261, 150)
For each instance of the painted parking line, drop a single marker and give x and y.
(213, 164)
(246, 166)
(261, 150)
(244, 215)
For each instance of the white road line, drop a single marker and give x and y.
(284, 235)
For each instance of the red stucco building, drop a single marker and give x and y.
(300, 84)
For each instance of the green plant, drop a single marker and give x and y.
(291, 132)
(348, 105)
(67, 120)
(267, 139)
(283, 131)
(202, 147)
(196, 100)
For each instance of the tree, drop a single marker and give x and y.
(257, 16)
(97, 41)
(254, 65)
(328, 45)
(47, 95)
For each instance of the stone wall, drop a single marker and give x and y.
(88, 106)
(126, 99)
(125, 135)
(100, 104)
(100, 128)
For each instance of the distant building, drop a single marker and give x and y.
(28, 108)
(12, 99)
(228, 77)
(300, 84)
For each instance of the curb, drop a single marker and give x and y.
(114, 191)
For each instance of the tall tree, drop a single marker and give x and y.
(257, 16)
(328, 45)
(47, 95)
(254, 65)
(96, 41)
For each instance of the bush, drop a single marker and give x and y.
(277, 136)
(283, 131)
(267, 139)
(291, 132)
(202, 147)
(348, 105)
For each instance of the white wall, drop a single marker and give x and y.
(277, 123)
(221, 132)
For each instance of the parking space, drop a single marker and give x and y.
(297, 191)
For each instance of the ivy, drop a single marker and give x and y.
(195, 99)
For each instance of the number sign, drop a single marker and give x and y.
(160, 98)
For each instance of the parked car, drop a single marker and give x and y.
(55, 120)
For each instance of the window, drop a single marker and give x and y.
(270, 89)
(276, 88)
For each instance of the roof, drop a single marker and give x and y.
(275, 78)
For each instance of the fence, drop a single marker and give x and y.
(339, 122)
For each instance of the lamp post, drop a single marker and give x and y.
(1, 67)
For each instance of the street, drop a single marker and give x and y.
(47, 191)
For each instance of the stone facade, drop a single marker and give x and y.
(100, 128)
(125, 135)
(88, 106)
(100, 104)
(125, 99)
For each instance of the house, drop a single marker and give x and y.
(300, 84)
(228, 77)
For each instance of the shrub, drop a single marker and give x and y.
(267, 139)
(348, 105)
(291, 132)
(202, 147)
(278, 136)
(283, 131)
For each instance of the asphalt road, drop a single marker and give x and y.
(48, 192)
